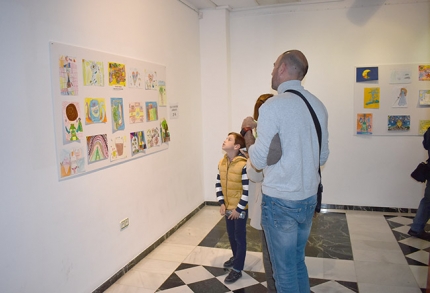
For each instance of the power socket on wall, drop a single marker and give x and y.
(124, 223)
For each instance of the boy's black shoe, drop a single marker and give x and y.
(232, 277)
(422, 235)
(229, 263)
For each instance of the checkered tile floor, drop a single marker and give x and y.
(347, 251)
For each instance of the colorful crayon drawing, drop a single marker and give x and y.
(424, 96)
(366, 74)
(424, 125)
(97, 146)
(71, 162)
(117, 107)
(93, 73)
(424, 72)
(135, 111)
(399, 122)
(153, 136)
(72, 123)
(117, 74)
(117, 147)
(401, 100)
(164, 128)
(68, 76)
(135, 78)
(364, 123)
(151, 80)
(371, 98)
(151, 111)
(95, 110)
(137, 141)
(162, 98)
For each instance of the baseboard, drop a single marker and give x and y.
(366, 208)
(142, 255)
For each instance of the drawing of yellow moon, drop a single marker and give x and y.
(365, 73)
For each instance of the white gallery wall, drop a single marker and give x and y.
(65, 236)
(335, 36)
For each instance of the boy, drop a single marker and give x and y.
(232, 194)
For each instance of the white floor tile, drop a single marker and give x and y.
(179, 289)
(245, 281)
(420, 273)
(194, 274)
(315, 267)
(171, 252)
(331, 287)
(118, 288)
(142, 279)
(420, 255)
(401, 220)
(416, 242)
(384, 274)
(157, 266)
(340, 270)
(376, 288)
(382, 255)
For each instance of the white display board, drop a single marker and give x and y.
(108, 109)
(394, 101)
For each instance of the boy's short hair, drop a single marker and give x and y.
(238, 139)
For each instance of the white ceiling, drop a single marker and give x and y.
(241, 4)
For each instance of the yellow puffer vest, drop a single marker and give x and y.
(233, 172)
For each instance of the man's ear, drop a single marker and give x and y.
(237, 146)
(282, 68)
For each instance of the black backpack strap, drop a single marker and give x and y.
(318, 128)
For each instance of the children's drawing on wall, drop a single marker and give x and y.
(371, 98)
(72, 162)
(135, 78)
(423, 126)
(138, 143)
(400, 100)
(153, 136)
(162, 98)
(117, 107)
(136, 112)
(72, 123)
(117, 74)
(424, 97)
(95, 110)
(364, 123)
(400, 76)
(151, 111)
(151, 81)
(117, 146)
(399, 122)
(366, 74)
(165, 134)
(424, 72)
(93, 73)
(97, 146)
(68, 76)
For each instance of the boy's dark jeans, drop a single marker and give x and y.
(236, 230)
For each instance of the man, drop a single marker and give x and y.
(290, 184)
(423, 213)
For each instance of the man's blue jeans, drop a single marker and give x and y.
(287, 225)
(423, 212)
(236, 230)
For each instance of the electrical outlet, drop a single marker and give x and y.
(124, 223)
